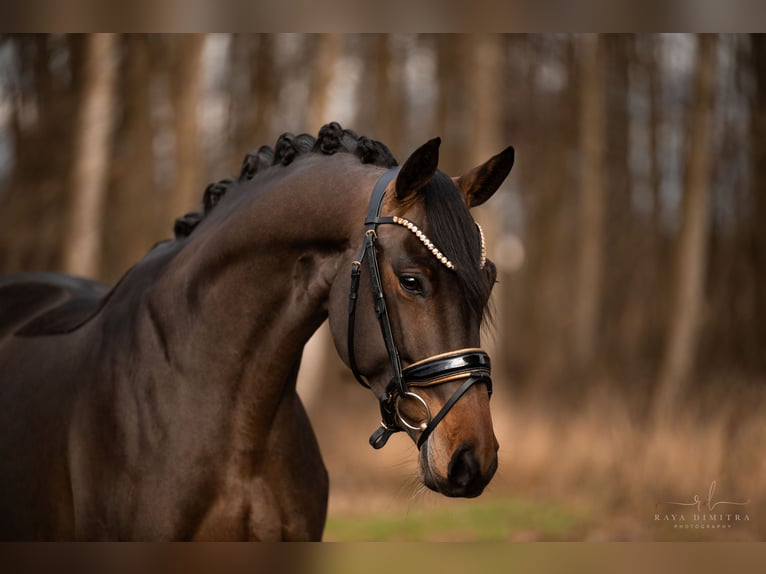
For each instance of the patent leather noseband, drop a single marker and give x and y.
(470, 365)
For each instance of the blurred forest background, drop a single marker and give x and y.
(628, 346)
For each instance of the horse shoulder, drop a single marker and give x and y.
(283, 497)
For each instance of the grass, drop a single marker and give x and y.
(469, 521)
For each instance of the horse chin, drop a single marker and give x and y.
(437, 482)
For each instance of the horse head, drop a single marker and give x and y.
(410, 329)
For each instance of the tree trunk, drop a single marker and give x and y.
(626, 282)
(758, 192)
(454, 63)
(92, 143)
(486, 104)
(655, 123)
(391, 101)
(589, 271)
(134, 214)
(379, 93)
(653, 257)
(186, 88)
(690, 254)
(254, 94)
(327, 51)
(264, 89)
(319, 360)
(38, 187)
(542, 320)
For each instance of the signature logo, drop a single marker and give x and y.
(705, 513)
(697, 501)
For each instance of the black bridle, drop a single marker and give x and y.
(473, 365)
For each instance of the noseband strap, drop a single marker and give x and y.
(447, 367)
(473, 365)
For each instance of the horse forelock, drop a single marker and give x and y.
(454, 230)
(331, 139)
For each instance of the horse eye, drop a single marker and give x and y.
(411, 284)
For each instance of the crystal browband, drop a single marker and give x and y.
(433, 249)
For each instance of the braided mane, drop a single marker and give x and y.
(332, 138)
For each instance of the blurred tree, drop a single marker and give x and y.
(485, 84)
(757, 219)
(390, 108)
(619, 321)
(82, 242)
(547, 174)
(186, 88)
(134, 218)
(326, 49)
(320, 365)
(516, 128)
(691, 244)
(453, 109)
(264, 87)
(35, 195)
(380, 92)
(653, 258)
(728, 339)
(590, 255)
(253, 57)
(649, 49)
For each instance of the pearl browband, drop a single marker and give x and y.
(432, 248)
(483, 260)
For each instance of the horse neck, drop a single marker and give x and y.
(252, 284)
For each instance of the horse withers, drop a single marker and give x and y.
(165, 408)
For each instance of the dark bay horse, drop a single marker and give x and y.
(165, 408)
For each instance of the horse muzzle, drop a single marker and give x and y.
(468, 472)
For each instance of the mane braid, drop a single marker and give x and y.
(453, 229)
(332, 139)
(256, 161)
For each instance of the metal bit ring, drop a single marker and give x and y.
(420, 427)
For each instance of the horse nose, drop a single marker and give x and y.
(464, 472)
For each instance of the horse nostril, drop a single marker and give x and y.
(464, 467)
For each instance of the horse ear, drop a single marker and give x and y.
(481, 182)
(418, 170)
